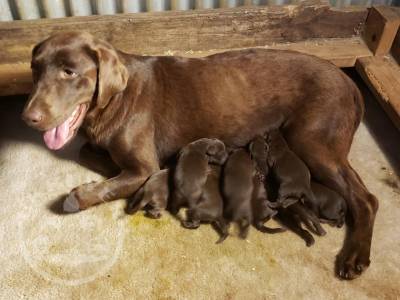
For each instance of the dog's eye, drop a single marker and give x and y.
(67, 73)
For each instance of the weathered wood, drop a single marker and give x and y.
(16, 78)
(151, 33)
(381, 28)
(396, 47)
(342, 52)
(382, 75)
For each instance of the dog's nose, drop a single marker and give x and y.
(32, 116)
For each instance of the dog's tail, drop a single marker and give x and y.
(136, 203)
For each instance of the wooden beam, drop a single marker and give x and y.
(15, 78)
(396, 47)
(382, 75)
(381, 28)
(197, 30)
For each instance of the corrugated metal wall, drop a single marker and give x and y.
(35, 9)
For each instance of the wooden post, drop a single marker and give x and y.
(382, 76)
(380, 28)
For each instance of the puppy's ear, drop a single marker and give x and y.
(112, 75)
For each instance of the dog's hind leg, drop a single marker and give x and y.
(329, 166)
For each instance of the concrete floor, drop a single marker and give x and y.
(103, 254)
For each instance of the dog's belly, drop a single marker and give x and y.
(237, 95)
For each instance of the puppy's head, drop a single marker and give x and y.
(212, 147)
(216, 151)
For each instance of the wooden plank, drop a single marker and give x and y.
(16, 78)
(343, 52)
(152, 33)
(381, 28)
(396, 47)
(382, 75)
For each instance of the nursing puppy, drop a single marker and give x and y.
(294, 216)
(245, 197)
(153, 195)
(262, 212)
(289, 171)
(258, 149)
(331, 206)
(210, 206)
(192, 170)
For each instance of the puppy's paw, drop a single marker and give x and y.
(153, 214)
(190, 224)
(222, 238)
(288, 202)
(71, 203)
(310, 242)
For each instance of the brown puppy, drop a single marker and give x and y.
(238, 180)
(261, 208)
(143, 109)
(289, 171)
(209, 207)
(192, 170)
(244, 194)
(262, 211)
(153, 195)
(293, 216)
(258, 149)
(331, 206)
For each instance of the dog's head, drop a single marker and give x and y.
(72, 73)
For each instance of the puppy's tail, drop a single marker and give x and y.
(135, 203)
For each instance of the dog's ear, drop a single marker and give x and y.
(112, 75)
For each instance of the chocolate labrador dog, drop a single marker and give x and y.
(237, 188)
(289, 171)
(331, 207)
(210, 206)
(153, 195)
(192, 170)
(245, 198)
(258, 149)
(143, 109)
(294, 216)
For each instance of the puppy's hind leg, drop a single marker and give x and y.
(283, 202)
(244, 226)
(222, 226)
(259, 225)
(264, 229)
(311, 221)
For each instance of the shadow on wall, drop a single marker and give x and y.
(378, 124)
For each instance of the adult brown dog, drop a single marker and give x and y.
(144, 109)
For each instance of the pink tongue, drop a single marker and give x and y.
(57, 137)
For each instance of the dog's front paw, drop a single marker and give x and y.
(81, 198)
(352, 262)
(71, 203)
